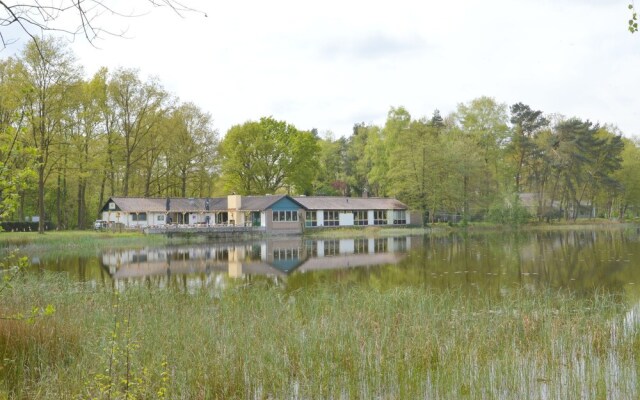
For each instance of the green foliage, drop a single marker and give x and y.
(11, 267)
(629, 178)
(333, 165)
(514, 214)
(633, 22)
(123, 376)
(268, 156)
(67, 144)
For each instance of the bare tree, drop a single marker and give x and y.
(72, 17)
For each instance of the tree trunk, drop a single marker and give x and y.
(81, 204)
(41, 214)
(58, 201)
(183, 182)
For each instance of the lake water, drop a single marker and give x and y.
(583, 261)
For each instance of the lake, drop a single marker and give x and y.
(579, 260)
(543, 314)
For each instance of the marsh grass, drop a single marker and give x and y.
(327, 341)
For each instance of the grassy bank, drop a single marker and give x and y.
(84, 242)
(328, 341)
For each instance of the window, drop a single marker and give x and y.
(139, 258)
(285, 216)
(361, 246)
(400, 243)
(380, 245)
(380, 217)
(286, 254)
(399, 217)
(139, 217)
(361, 217)
(331, 218)
(331, 247)
(311, 219)
(311, 248)
(160, 218)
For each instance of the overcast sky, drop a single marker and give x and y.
(330, 64)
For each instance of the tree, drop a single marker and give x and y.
(629, 176)
(192, 143)
(526, 124)
(573, 152)
(137, 107)
(85, 142)
(16, 159)
(332, 175)
(358, 165)
(48, 74)
(485, 122)
(268, 156)
(71, 17)
(413, 164)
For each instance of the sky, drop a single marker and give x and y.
(328, 65)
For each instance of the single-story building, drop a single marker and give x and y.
(270, 213)
(352, 211)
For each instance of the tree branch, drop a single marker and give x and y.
(35, 19)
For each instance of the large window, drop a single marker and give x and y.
(361, 217)
(380, 217)
(399, 217)
(311, 219)
(139, 217)
(285, 216)
(331, 218)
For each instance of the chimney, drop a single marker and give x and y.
(234, 202)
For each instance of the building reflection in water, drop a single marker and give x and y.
(270, 257)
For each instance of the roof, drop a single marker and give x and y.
(181, 204)
(349, 203)
(250, 203)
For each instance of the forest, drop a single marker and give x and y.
(68, 143)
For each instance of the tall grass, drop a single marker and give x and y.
(328, 341)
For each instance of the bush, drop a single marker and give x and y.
(510, 215)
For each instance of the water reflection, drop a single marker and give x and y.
(583, 261)
(277, 257)
(268, 257)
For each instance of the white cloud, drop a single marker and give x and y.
(328, 65)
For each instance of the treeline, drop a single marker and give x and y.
(488, 161)
(76, 141)
(68, 143)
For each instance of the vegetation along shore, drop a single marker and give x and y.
(330, 341)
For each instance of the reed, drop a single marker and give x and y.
(259, 340)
